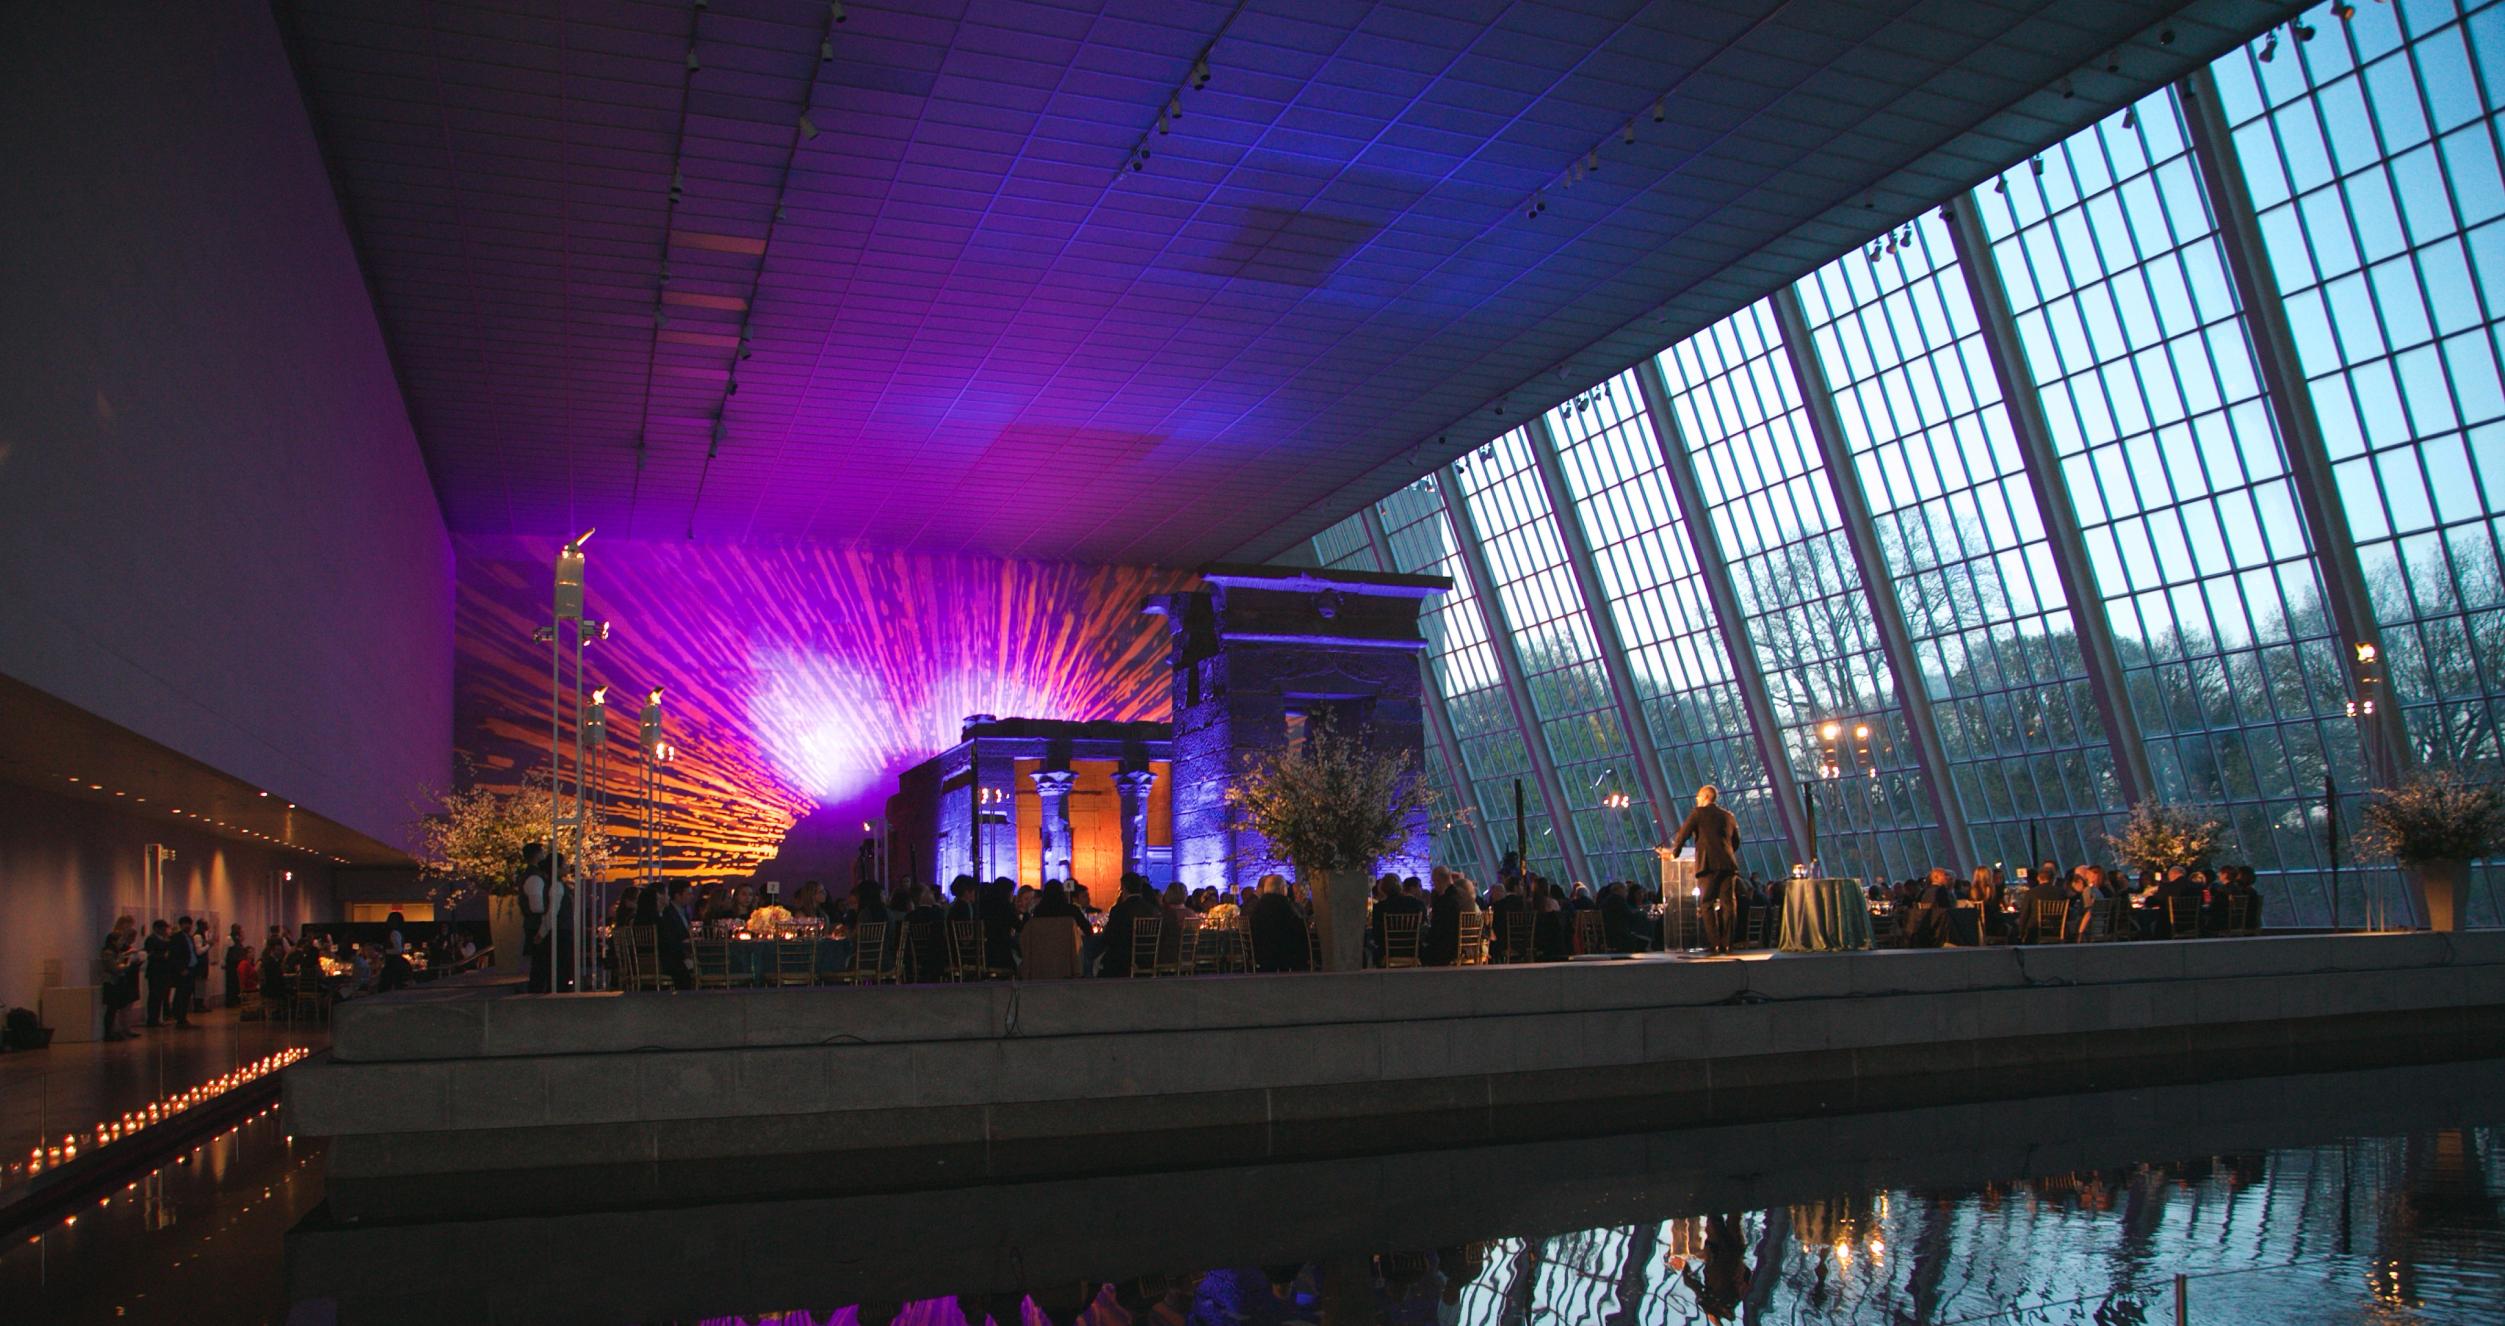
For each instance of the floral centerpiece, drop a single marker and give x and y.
(1330, 807)
(2158, 836)
(2434, 825)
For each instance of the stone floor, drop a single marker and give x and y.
(73, 1086)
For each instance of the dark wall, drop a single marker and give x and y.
(216, 529)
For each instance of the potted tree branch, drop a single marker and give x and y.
(2434, 825)
(1330, 808)
(469, 843)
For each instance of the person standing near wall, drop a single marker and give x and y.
(165, 966)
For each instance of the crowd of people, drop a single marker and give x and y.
(2094, 902)
(165, 974)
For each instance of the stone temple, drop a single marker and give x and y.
(1256, 653)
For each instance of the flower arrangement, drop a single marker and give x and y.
(470, 840)
(2160, 837)
(2433, 816)
(1332, 803)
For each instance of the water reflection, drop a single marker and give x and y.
(2399, 1230)
(2334, 1198)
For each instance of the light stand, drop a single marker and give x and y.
(595, 740)
(1869, 765)
(657, 752)
(570, 809)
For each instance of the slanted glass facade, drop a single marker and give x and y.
(1656, 594)
(2370, 151)
(1542, 608)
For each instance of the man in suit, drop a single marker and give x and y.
(1400, 900)
(675, 937)
(1716, 833)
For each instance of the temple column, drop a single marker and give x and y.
(1052, 795)
(1133, 788)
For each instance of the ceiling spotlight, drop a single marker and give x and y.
(2165, 36)
(1661, 109)
(2130, 117)
(1174, 107)
(2113, 62)
(1591, 161)
(2000, 185)
(1162, 124)
(1200, 71)
(808, 130)
(692, 64)
(826, 51)
(2067, 91)
(1630, 133)
(835, 10)
(2304, 31)
(2036, 164)
(2344, 11)
(2270, 47)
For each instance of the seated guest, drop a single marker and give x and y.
(1551, 939)
(1984, 891)
(869, 903)
(1279, 939)
(1926, 923)
(1024, 899)
(1055, 901)
(923, 951)
(961, 892)
(1399, 900)
(1136, 904)
(1443, 923)
(1580, 900)
(674, 934)
(1621, 926)
(996, 906)
(809, 904)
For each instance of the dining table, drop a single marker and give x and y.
(1824, 916)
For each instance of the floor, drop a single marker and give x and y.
(73, 1086)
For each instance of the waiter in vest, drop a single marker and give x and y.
(1716, 833)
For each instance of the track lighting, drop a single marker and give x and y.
(2036, 164)
(826, 51)
(2344, 11)
(2068, 91)
(1630, 133)
(2270, 47)
(1200, 71)
(1591, 161)
(1162, 126)
(2304, 31)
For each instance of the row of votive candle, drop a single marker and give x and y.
(54, 1151)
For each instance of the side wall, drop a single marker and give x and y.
(68, 867)
(215, 526)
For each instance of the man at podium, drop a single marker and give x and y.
(1716, 833)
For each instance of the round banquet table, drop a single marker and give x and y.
(1824, 916)
(752, 960)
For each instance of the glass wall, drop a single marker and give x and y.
(2371, 149)
(1542, 609)
(1773, 515)
(1464, 667)
(2371, 153)
(1657, 598)
(2136, 340)
(1964, 542)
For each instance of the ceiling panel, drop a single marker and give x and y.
(626, 288)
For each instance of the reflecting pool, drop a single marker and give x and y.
(2348, 1197)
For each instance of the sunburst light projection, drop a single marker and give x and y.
(797, 678)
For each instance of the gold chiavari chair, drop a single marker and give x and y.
(869, 955)
(2050, 923)
(1516, 936)
(1471, 948)
(965, 952)
(1401, 932)
(795, 963)
(713, 964)
(1589, 936)
(2183, 917)
(1146, 933)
